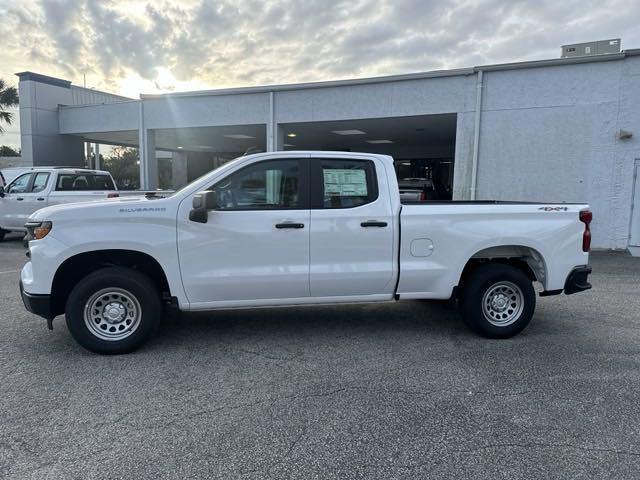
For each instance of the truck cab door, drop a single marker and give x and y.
(36, 196)
(352, 229)
(254, 247)
(12, 206)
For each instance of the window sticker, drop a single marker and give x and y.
(345, 182)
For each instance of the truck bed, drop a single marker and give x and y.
(479, 202)
(437, 234)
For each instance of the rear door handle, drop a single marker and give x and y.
(19, 199)
(40, 199)
(373, 223)
(289, 225)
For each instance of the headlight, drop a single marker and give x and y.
(38, 230)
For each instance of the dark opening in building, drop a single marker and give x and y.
(423, 147)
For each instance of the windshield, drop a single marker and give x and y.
(218, 169)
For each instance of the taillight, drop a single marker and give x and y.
(585, 217)
(112, 195)
(423, 196)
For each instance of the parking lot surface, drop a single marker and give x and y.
(360, 391)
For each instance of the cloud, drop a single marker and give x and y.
(234, 42)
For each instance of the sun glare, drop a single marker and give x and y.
(132, 85)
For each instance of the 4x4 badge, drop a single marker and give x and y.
(554, 209)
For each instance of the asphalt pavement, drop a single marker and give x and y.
(383, 391)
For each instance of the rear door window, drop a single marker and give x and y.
(343, 183)
(68, 182)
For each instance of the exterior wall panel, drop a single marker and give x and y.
(114, 117)
(550, 134)
(206, 111)
(41, 141)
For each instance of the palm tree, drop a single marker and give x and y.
(8, 98)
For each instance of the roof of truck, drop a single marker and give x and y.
(63, 169)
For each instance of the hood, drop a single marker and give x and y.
(74, 210)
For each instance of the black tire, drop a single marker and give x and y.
(2, 234)
(513, 307)
(141, 297)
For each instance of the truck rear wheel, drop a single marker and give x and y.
(2, 234)
(497, 300)
(113, 310)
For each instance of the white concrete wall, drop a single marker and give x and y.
(549, 134)
(113, 117)
(204, 111)
(381, 100)
(8, 162)
(89, 96)
(41, 142)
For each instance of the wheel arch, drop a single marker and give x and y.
(78, 266)
(525, 258)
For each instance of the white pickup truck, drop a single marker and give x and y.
(39, 187)
(295, 228)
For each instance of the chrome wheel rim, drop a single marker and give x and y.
(112, 314)
(502, 303)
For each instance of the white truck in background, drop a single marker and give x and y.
(38, 187)
(295, 228)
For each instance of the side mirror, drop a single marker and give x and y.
(1, 191)
(202, 203)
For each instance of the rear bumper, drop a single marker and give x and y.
(38, 304)
(577, 280)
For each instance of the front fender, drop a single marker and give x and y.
(48, 254)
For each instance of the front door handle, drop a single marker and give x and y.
(373, 223)
(40, 199)
(289, 225)
(19, 199)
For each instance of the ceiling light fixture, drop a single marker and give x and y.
(179, 147)
(292, 135)
(349, 132)
(378, 142)
(238, 136)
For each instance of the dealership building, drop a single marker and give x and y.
(559, 130)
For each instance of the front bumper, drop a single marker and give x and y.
(38, 304)
(577, 280)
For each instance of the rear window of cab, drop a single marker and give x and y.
(69, 182)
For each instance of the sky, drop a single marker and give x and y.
(133, 47)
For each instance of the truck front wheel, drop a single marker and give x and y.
(113, 310)
(497, 300)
